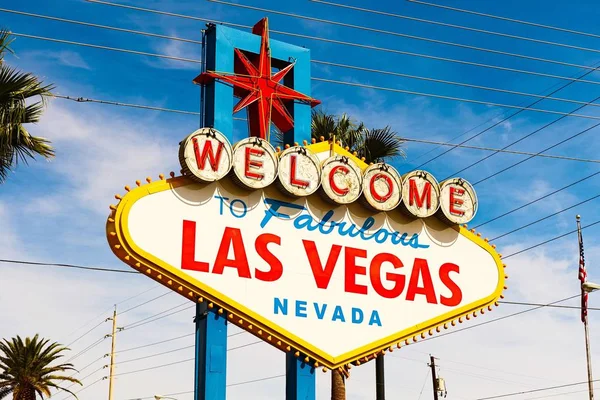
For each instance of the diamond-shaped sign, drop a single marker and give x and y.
(334, 283)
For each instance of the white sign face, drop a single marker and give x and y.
(299, 171)
(459, 201)
(254, 163)
(205, 155)
(420, 193)
(382, 187)
(326, 280)
(341, 179)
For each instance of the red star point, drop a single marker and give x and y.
(259, 89)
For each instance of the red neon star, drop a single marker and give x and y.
(259, 89)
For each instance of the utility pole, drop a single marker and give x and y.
(380, 377)
(433, 376)
(112, 356)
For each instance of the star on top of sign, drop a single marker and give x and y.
(259, 89)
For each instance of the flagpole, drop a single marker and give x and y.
(584, 316)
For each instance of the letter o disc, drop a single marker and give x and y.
(299, 171)
(341, 180)
(254, 163)
(205, 155)
(382, 187)
(465, 201)
(420, 194)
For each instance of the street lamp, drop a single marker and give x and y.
(590, 286)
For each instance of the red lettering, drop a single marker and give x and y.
(250, 163)
(232, 238)
(322, 274)
(293, 180)
(207, 152)
(413, 194)
(336, 189)
(421, 270)
(379, 198)
(350, 255)
(188, 249)
(456, 297)
(261, 248)
(456, 202)
(398, 279)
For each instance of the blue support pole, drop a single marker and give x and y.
(211, 354)
(300, 379)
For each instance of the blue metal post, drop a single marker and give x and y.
(211, 354)
(300, 380)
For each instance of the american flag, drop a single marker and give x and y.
(582, 275)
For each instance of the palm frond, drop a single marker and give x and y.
(5, 41)
(5, 391)
(381, 144)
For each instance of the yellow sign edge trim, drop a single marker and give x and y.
(116, 238)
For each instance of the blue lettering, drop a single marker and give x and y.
(320, 312)
(223, 199)
(300, 308)
(375, 320)
(280, 306)
(338, 314)
(357, 315)
(243, 212)
(306, 221)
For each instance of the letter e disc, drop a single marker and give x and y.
(341, 180)
(299, 171)
(205, 155)
(458, 201)
(382, 187)
(420, 194)
(254, 163)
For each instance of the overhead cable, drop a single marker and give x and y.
(536, 390)
(407, 36)
(508, 117)
(95, 46)
(340, 42)
(537, 199)
(67, 266)
(146, 302)
(519, 21)
(506, 151)
(463, 27)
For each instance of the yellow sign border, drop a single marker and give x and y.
(124, 248)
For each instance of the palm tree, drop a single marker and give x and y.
(26, 370)
(17, 89)
(375, 145)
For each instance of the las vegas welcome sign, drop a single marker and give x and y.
(310, 248)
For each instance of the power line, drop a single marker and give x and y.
(351, 44)
(544, 218)
(463, 27)
(112, 28)
(154, 344)
(139, 323)
(66, 266)
(115, 103)
(535, 390)
(95, 46)
(146, 302)
(541, 151)
(496, 319)
(506, 118)
(525, 137)
(407, 36)
(522, 153)
(520, 303)
(550, 240)
(454, 98)
(556, 28)
(86, 333)
(538, 199)
(395, 90)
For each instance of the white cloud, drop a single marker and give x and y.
(65, 58)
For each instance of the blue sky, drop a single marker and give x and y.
(55, 211)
